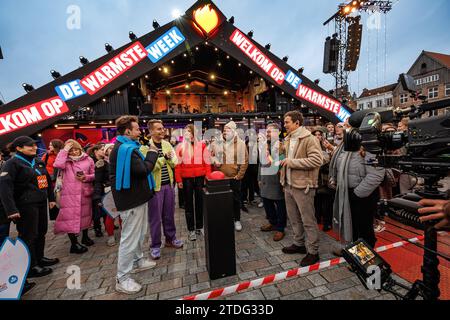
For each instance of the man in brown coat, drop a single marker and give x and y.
(299, 177)
(231, 158)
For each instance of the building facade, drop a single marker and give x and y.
(376, 98)
(431, 72)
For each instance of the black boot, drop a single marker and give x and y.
(76, 247)
(88, 242)
(38, 272)
(46, 262)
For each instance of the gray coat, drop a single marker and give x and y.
(270, 186)
(365, 179)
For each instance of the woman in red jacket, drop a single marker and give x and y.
(194, 165)
(49, 157)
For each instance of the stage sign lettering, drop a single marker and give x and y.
(243, 43)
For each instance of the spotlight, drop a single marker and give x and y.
(268, 46)
(225, 92)
(132, 36)
(317, 81)
(250, 34)
(83, 60)
(27, 87)
(231, 20)
(55, 74)
(176, 13)
(301, 70)
(155, 24)
(286, 58)
(108, 47)
(213, 77)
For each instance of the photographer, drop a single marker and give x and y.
(356, 194)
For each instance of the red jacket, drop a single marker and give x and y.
(49, 159)
(196, 165)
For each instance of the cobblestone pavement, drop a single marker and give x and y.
(183, 272)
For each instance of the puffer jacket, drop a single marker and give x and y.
(365, 179)
(192, 166)
(75, 212)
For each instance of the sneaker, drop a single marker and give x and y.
(176, 244)
(253, 202)
(260, 205)
(192, 236)
(200, 232)
(309, 260)
(128, 286)
(294, 250)
(238, 226)
(379, 228)
(155, 254)
(244, 208)
(144, 265)
(111, 241)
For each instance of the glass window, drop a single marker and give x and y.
(447, 90)
(389, 102)
(403, 98)
(433, 93)
(379, 103)
(369, 105)
(361, 106)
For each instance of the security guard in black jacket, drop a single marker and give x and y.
(25, 191)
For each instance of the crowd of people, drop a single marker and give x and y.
(306, 177)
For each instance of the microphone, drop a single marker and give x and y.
(387, 115)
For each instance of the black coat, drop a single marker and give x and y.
(139, 192)
(19, 187)
(102, 180)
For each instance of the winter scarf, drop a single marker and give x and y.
(342, 216)
(123, 171)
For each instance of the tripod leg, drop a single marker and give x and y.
(430, 270)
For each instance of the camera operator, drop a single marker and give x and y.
(357, 194)
(436, 210)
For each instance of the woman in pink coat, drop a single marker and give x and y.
(76, 190)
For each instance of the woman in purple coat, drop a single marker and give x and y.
(76, 190)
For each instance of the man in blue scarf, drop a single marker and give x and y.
(132, 186)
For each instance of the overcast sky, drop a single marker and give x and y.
(35, 38)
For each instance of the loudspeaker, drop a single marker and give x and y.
(219, 229)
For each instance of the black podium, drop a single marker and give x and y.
(219, 229)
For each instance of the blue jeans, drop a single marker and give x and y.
(276, 213)
(4, 232)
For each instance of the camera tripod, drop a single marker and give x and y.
(428, 287)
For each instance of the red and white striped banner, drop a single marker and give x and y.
(288, 274)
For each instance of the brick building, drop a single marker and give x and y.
(431, 72)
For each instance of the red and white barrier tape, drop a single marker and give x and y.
(288, 274)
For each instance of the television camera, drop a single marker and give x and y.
(422, 151)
